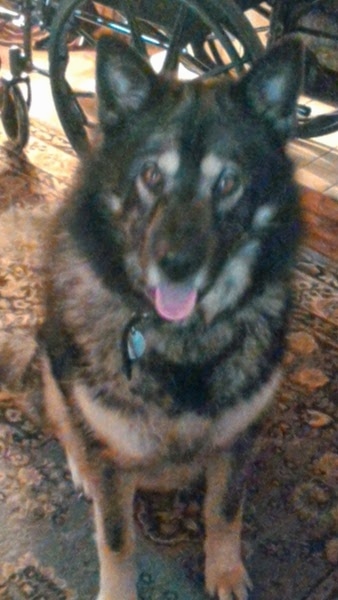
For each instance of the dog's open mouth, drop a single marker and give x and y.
(174, 301)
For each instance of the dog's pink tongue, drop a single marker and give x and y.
(175, 302)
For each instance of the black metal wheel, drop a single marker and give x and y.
(320, 83)
(316, 24)
(12, 23)
(193, 38)
(14, 115)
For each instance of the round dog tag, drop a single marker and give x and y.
(136, 344)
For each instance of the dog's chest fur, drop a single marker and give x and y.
(193, 389)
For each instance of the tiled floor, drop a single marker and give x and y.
(317, 164)
(316, 159)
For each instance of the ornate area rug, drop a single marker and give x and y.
(47, 548)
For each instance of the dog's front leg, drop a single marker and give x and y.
(113, 510)
(225, 574)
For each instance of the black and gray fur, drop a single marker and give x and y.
(168, 297)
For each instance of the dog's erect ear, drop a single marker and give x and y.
(272, 87)
(124, 80)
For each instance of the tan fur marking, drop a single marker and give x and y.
(237, 419)
(144, 193)
(211, 166)
(264, 215)
(142, 439)
(145, 439)
(169, 162)
(129, 440)
(59, 419)
(117, 573)
(225, 574)
(235, 279)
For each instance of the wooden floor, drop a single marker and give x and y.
(320, 214)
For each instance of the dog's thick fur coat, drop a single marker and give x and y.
(168, 297)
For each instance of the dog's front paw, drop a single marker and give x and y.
(117, 576)
(227, 583)
(115, 595)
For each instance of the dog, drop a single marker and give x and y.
(168, 294)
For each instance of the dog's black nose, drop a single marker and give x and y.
(181, 240)
(180, 264)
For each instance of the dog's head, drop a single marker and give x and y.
(198, 185)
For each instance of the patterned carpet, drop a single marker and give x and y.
(47, 549)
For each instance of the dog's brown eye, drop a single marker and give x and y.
(152, 176)
(228, 183)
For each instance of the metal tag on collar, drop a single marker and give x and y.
(136, 344)
(133, 343)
